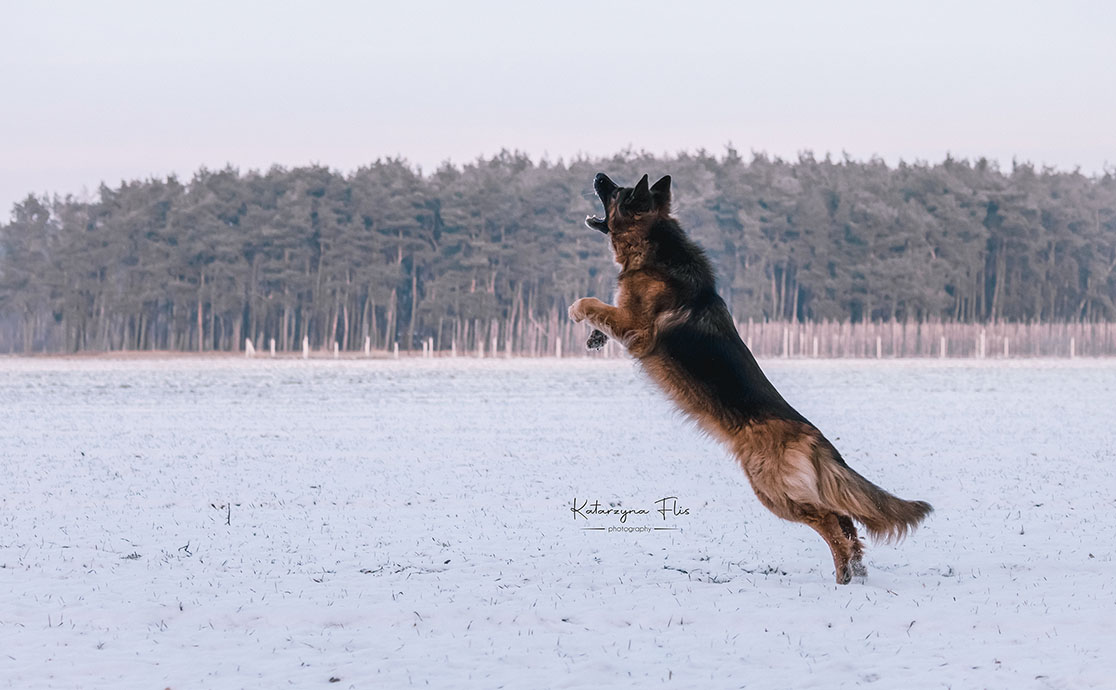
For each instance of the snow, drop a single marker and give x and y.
(226, 523)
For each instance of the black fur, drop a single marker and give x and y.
(707, 344)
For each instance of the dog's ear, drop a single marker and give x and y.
(640, 199)
(660, 193)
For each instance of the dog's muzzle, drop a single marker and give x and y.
(604, 188)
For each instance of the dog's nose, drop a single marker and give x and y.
(602, 185)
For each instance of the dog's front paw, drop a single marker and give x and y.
(578, 311)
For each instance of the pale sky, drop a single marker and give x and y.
(105, 91)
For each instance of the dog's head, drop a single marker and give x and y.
(629, 209)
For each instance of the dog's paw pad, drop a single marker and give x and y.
(596, 340)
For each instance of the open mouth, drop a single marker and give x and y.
(604, 188)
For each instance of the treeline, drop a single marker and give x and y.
(493, 252)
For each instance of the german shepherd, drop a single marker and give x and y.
(670, 318)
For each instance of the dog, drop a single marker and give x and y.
(670, 318)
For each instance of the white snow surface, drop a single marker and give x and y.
(221, 523)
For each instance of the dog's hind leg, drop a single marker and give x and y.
(828, 525)
(857, 561)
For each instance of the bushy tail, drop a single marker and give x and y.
(884, 516)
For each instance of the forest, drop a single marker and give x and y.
(494, 251)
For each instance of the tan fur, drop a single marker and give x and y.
(632, 322)
(792, 466)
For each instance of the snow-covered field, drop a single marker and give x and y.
(224, 523)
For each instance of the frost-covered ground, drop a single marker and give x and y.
(214, 523)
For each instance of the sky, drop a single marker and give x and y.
(112, 91)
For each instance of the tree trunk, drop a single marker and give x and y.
(201, 315)
(390, 318)
(370, 322)
(334, 313)
(286, 321)
(794, 303)
(345, 323)
(998, 281)
(774, 296)
(414, 302)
